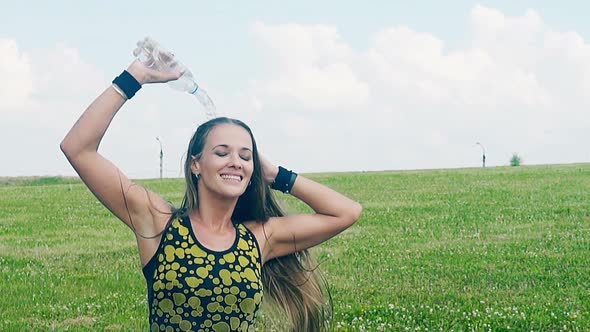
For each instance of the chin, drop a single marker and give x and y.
(232, 193)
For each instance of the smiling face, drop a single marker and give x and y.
(226, 163)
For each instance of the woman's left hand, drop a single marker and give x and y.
(269, 170)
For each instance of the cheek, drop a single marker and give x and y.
(212, 165)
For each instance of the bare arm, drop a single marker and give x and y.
(128, 202)
(334, 213)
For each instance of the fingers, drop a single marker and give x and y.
(171, 76)
(155, 76)
(145, 74)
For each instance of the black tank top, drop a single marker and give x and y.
(192, 288)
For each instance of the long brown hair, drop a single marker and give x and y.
(292, 282)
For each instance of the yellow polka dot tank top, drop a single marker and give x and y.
(192, 288)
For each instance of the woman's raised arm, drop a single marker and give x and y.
(128, 202)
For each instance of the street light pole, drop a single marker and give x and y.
(483, 151)
(161, 156)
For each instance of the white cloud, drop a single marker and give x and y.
(408, 100)
(45, 86)
(15, 76)
(44, 91)
(314, 69)
(518, 85)
(41, 94)
(61, 74)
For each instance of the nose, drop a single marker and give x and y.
(236, 161)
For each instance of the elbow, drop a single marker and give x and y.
(356, 210)
(70, 147)
(65, 148)
(62, 146)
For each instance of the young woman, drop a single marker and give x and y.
(207, 262)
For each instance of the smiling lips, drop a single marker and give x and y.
(231, 178)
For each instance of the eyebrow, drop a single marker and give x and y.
(227, 146)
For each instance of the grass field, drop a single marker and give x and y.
(493, 249)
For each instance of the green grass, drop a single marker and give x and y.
(491, 249)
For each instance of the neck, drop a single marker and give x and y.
(214, 212)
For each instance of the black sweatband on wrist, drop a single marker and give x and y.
(291, 182)
(284, 180)
(127, 83)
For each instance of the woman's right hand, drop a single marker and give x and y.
(144, 75)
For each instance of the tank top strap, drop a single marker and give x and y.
(248, 244)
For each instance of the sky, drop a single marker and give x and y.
(326, 86)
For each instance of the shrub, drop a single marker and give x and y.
(516, 160)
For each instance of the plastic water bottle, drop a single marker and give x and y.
(153, 55)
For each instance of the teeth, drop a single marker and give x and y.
(231, 177)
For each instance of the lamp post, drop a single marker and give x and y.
(483, 151)
(161, 156)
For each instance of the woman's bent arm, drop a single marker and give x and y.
(334, 213)
(128, 202)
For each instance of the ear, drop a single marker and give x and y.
(195, 168)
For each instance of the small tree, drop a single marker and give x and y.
(516, 160)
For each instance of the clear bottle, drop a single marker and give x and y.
(153, 55)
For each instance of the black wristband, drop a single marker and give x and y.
(284, 180)
(127, 83)
(291, 182)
